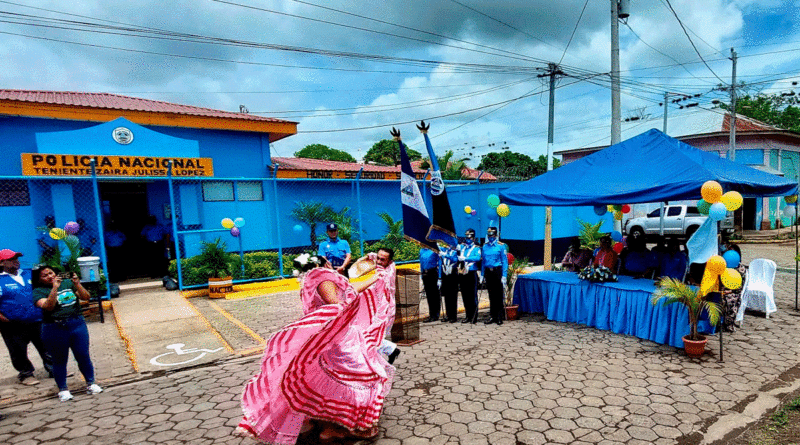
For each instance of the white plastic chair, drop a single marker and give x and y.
(757, 293)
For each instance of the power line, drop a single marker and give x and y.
(690, 41)
(573, 32)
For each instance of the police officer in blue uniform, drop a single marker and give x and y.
(335, 250)
(449, 285)
(494, 263)
(469, 255)
(429, 266)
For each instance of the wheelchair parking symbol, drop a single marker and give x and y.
(168, 359)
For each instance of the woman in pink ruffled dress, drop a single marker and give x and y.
(325, 368)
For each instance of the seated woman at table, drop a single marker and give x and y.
(673, 261)
(637, 261)
(576, 258)
(605, 256)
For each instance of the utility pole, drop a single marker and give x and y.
(616, 116)
(666, 107)
(732, 145)
(553, 71)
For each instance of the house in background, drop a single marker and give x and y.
(758, 145)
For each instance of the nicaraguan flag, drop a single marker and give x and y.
(416, 222)
(443, 228)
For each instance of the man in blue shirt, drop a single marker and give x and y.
(449, 285)
(335, 250)
(469, 254)
(494, 265)
(20, 319)
(429, 266)
(154, 235)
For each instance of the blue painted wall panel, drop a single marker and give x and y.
(750, 157)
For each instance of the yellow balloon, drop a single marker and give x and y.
(731, 279)
(503, 210)
(711, 192)
(732, 200)
(709, 283)
(58, 233)
(467, 209)
(610, 208)
(716, 265)
(618, 215)
(791, 199)
(227, 223)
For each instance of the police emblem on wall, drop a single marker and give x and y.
(122, 135)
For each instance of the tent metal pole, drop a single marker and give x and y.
(796, 254)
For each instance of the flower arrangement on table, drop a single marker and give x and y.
(597, 274)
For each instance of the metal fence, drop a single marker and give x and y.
(156, 226)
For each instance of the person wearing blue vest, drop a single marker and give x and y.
(469, 255)
(494, 266)
(20, 319)
(449, 284)
(335, 250)
(429, 266)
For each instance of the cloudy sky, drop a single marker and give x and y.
(347, 71)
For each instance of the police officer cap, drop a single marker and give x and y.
(470, 233)
(491, 231)
(332, 227)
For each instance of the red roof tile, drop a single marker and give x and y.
(118, 102)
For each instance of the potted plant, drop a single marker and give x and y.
(215, 264)
(514, 269)
(674, 291)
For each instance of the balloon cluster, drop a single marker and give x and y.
(495, 209)
(618, 210)
(715, 204)
(233, 224)
(721, 268)
(70, 228)
(790, 211)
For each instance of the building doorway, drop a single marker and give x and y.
(749, 214)
(125, 212)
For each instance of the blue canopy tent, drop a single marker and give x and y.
(650, 167)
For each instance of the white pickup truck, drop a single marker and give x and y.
(680, 221)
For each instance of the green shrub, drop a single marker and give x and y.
(257, 265)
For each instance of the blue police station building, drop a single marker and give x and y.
(48, 141)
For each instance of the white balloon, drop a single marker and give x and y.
(790, 211)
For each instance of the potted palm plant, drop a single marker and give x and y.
(674, 291)
(514, 269)
(216, 265)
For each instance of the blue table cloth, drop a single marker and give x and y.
(623, 307)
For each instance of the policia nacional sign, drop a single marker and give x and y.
(42, 164)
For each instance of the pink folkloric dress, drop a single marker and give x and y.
(326, 365)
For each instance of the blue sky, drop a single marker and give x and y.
(348, 71)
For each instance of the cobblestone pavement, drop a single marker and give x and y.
(530, 381)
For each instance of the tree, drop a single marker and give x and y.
(451, 169)
(394, 231)
(319, 151)
(387, 152)
(312, 213)
(509, 163)
(775, 109)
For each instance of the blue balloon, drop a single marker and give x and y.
(469, 215)
(732, 258)
(298, 228)
(616, 236)
(600, 210)
(491, 214)
(717, 211)
(238, 222)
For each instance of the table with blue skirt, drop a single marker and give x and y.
(624, 307)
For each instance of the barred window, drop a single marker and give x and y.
(250, 191)
(217, 191)
(14, 193)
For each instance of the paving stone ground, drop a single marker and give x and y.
(530, 381)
